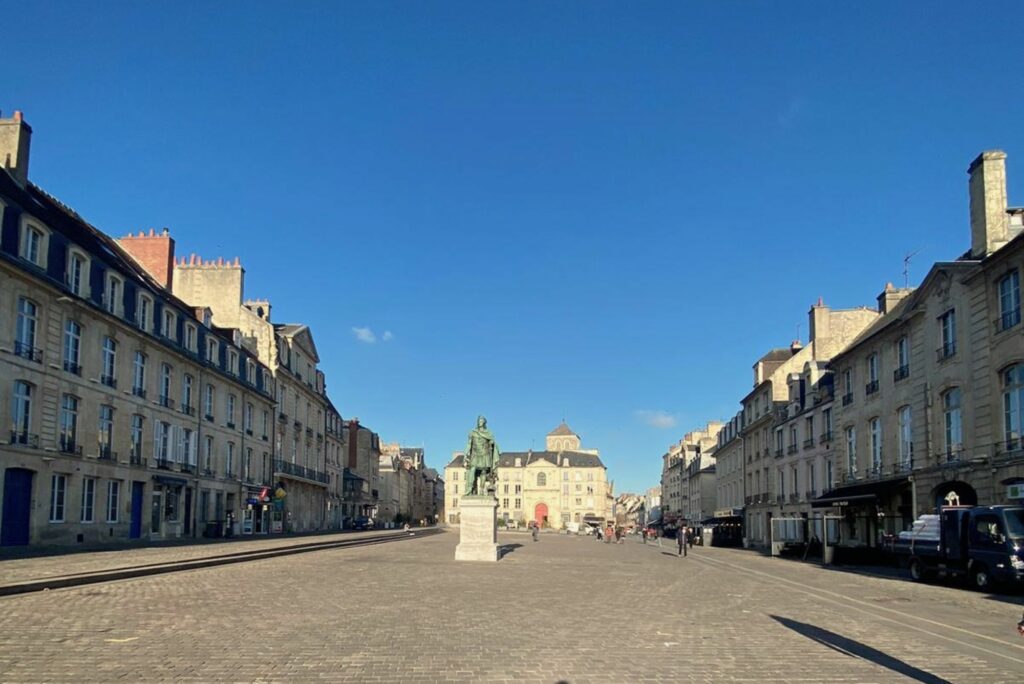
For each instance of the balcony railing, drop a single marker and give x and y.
(68, 445)
(297, 470)
(265, 438)
(849, 477)
(135, 458)
(140, 392)
(904, 466)
(188, 410)
(164, 463)
(749, 500)
(847, 398)
(951, 455)
(187, 467)
(871, 387)
(29, 352)
(794, 498)
(791, 449)
(901, 373)
(309, 432)
(778, 453)
(106, 454)
(109, 380)
(19, 438)
(1007, 320)
(780, 498)
(826, 436)
(809, 443)
(874, 471)
(73, 368)
(166, 402)
(283, 417)
(230, 424)
(946, 351)
(208, 417)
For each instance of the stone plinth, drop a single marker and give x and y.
(478, 540)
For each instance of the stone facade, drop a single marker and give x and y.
(553, 488)
(688, 476)
(132, 415)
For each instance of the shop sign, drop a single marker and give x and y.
(1015, 491)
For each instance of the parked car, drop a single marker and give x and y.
(362, 523)
(982, 543)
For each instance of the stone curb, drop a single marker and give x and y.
(197, 563)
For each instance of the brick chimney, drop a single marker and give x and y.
(987, 189)
(154, 252)
(15, 137)
(353, 444)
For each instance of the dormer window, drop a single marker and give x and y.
(207, 318)
(144, 312)
(77, 276)
(33, 244)
(211, 350)
(233, 362)
(112, 295)
(190, 337)
(250, 372)
(169, 325)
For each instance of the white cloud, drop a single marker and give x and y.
(364, 335)
(657, 419)
(387, 336)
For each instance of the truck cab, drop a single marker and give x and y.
(982, 543)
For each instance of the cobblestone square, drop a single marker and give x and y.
(560, 609)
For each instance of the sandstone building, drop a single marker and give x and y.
(561, 485)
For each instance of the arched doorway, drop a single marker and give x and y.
(954, 493)
(540, 514)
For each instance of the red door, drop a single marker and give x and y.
(540, 514)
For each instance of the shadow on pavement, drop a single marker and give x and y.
(506, 549)
(856, 649)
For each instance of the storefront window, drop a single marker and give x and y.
(171, 504)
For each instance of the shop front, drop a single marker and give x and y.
(869, 513)
(256, 510)
(170, 508)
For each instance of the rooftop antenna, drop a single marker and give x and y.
(906, 268)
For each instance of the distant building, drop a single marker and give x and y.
(562, 484)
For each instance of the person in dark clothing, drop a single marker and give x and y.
(536, 531)
(681, 541)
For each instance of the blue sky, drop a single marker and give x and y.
(603, 212)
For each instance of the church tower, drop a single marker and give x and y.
(562, 438)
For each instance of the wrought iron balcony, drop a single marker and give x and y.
(209, 417)
(778, 453)
(297, 470)
(73, 368)
(135, 457)
(164, 463)
(67, 445)
(140, 392)
(794, 498)
(166, 402)
(20, 438)
(826, 436)
(248, 431)
(780, 498)
(946, 351)
(188, 410)
(109, 380)
(187, 467)
(283, 417)
(871, 387)
(230, 424)
(904, 466)
(847, 398)
(809, 443)
(901, 373)
(27, 351)
(105, 453)
(791, 449)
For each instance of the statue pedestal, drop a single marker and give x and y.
(478, 540)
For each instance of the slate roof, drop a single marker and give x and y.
(508, 459)
(562, 429)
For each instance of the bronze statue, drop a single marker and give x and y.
(481, 460)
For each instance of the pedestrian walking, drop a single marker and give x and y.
(681, 541)
(643, 537)
(618, 535)
(598, 534)
(690, 536)
(536, 531)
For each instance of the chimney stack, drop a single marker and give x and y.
(890, 297)
(15, 137)
(987, 189)
(154, 252)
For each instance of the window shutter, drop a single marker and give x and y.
(193, 444)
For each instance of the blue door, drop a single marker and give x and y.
(138, 490)
(17, 507)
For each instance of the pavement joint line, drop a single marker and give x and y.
(817, 592)
(116, 574)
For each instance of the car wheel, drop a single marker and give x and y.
(980, 578)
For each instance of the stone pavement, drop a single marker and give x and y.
(562, 609)
(25, 569)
